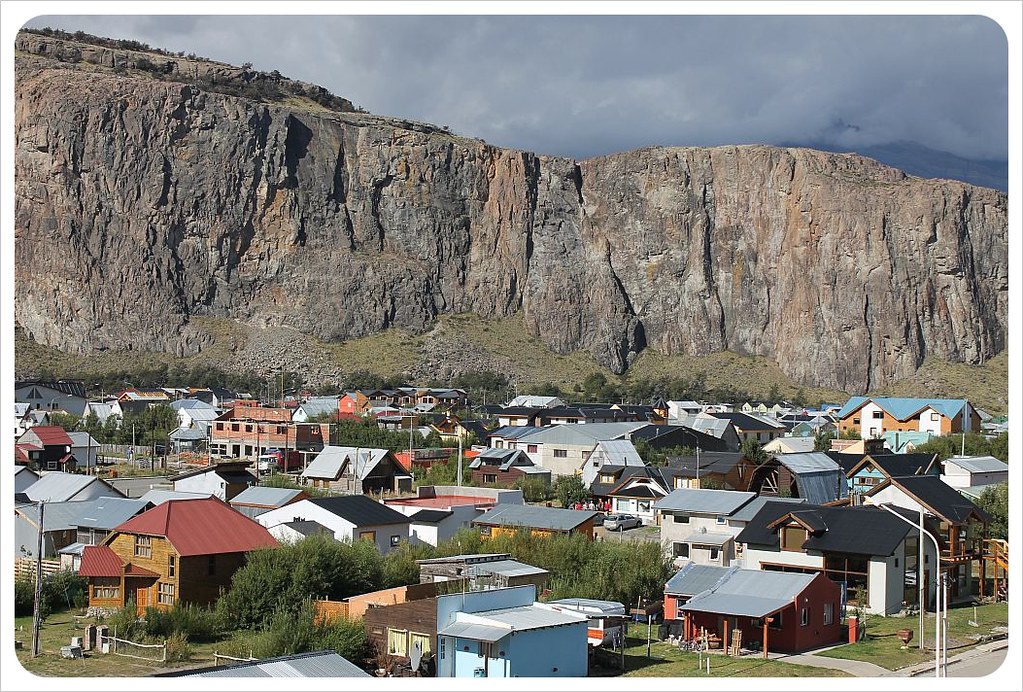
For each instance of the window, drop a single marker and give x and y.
(422, 639)
(680, 550)
(856, 421)
(211, 565)
(739, 549)
(248, 428)
(879, 415)
(935, 417)
(368, 536)
(282, 430)
(681, 518)
(714, 552)
(489, 477)
(395, 541)
(531, 449)
(220, 426)
(829, 613)
(775, 623)
(607, 478)
(170, 566)
(484, 530)
(719, 520)
(792, 538)
(143, 546)
(234, 427)
(106, 587)
(679, 482)
(804, 617)
(165, 593)
(560, 453)
(397, 642)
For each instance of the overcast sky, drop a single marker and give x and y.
(581, 86)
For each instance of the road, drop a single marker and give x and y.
(986, 663)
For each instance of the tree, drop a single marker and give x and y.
(753, 450)
(533, 489)
(569, 490)
(995, 501)
(822, 441)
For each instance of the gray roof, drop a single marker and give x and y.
(822, 487)
(590, 604)
(58, 486)
(708, 538)
(693, 579)
(508, 568)
(316, 664)
(700, 501)
(589, 433)
(750, 509)
(505, 458)
(193, 406)
(332, 459)
(316, 405)
(504, 621)
(808, 462)
(750, 593)
(476, 632)
(158, 496)
(265, 495)
(535, 517)
(621, 452)
(83, 439)
(307, 528)
(101, 513)
(705, 423)
(978, 464)
(198, 431)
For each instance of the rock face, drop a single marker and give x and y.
(141, 203)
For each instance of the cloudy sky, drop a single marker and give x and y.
(582, 86)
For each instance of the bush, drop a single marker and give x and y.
(177, 648)
(193, 622)
(124, 623)
(64, 589)
(24, 596)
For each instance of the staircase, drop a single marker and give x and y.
(997, 551)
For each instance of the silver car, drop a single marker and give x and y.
(618, 522)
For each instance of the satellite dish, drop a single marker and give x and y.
(416, 655)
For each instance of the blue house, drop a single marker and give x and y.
(505, 633)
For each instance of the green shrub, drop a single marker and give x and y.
(177, 648)
(24, 596)
(124, 623)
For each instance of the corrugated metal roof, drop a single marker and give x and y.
(701, 501)
(158, 496)
(750, 509)
(58, 486)
(750, 593)
(316, 664)
(265, 496)
(978, 464)
(590, 605)
(532, 516)
(808, 462)
(573, 433)
(508, 568)
(331, 461)
(708, 538)
(201, 527)
(100, 561)
(474, 631)
(530, 617)
(821, 488)
(902, 408)
(357, 509)
(693, 579)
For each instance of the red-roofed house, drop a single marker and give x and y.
(179, 551)
(48, 447)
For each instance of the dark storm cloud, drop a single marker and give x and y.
(584, 86)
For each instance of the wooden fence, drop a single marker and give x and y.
(25, 568)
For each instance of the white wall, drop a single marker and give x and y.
(303, 510)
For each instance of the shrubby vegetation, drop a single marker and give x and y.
(995, 501)
(62, 590)
(975, 444)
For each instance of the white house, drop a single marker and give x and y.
(58, 486)
(439, 512)
(609, 452)
(562, 449)
(349, 517)
(695, 527)
(194, 411)
(224, 480)
(967, 472)
(531, 401)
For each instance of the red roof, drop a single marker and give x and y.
(201, 527)
(51, 435)
(100, 561)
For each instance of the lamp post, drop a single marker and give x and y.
(920, 586)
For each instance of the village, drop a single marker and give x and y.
(415, 532)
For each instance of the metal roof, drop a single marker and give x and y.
(821, 488)
(590, 605)
(315, 664)
(617, 452)
(531, 616)
(532, 516)
(902, 408)
(357, 509)
(700, 501)
(429, 516)
(693, 579)
(808, 462)
(508, 568)
(201, 527)
(750, 593)
(978, 464)
(474, 631)
(265, 496)
(58, 486)
(158, 496)
(749, 510)
(331, 460)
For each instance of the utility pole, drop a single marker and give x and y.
(459, 457)
(37, 619)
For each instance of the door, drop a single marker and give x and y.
(141, 600)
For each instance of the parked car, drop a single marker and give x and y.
(619, 522)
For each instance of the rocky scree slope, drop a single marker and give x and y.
(143, 203)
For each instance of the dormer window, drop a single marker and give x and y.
(793, 537)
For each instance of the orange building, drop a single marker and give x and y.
(539, 521)
(247, 431)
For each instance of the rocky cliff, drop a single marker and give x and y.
(142, 202)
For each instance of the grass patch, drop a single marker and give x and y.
(881, 645)
(668, 661)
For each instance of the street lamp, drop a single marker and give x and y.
(939, 587)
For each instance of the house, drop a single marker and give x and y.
(563, 448)
(317, 407)
(52, 447)
(695, 528)
(246, 430)
(539, 521)
(864, 471)
(957, 523)
(504, 467)
(182, 551)
(518, 416)
(224, 480)
(531, 401)
(616, 453)
(256, 499)
(783, 612)
(508, 436)
(352, 405)
(814, 476)
(504, 633)
(85, 449)
(727, 470)
(312, 664)
(451, 428)
(400, 621)
(605, 619)
(22, 420)
(751, 426)
(349, 517)
(568, 415)
(790, 445)
(482, 571)
(40, 395)
(357, 470)
(970, 472)
(157, 496)
(438, 512)
(85, 522)
(905, 442)
(57, 486)
(194, 411)
(637, 492)
(679, 409)
(719, 428)
(675, 436)
(874, 554)
(875, 416)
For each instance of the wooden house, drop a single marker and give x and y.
(540, 521)
(182, 551)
